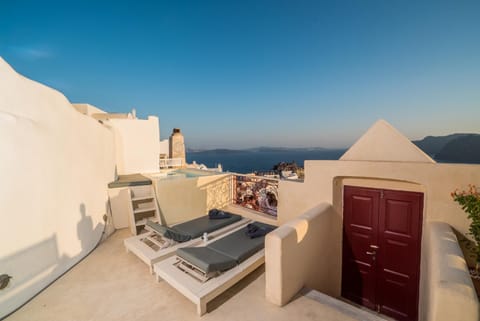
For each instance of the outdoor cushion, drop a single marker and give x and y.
(239, 246)
(206, 259)
(196, 227)
(226, 252)
(169, 232)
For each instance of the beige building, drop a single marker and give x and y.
(313, 223)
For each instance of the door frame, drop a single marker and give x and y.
(339, 184)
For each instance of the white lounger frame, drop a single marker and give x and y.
(136, 244)
(200, 293)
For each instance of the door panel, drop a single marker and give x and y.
(360, 231)
(399, 263)
(381, 250)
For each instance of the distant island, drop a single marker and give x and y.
(455, 148)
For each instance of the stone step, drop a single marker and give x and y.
(352, 311)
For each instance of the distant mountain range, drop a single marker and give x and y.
(455, 148)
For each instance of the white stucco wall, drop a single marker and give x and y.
(164, 147)
(88, 109)
(137, 142)
(437, 181)
(55, 166)
(294, 255)
(180, 200)
(449, 291)
(382, 142)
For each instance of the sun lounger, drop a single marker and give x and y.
(201, 273)
(161, 241)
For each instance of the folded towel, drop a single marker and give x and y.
(215, 214)
(254, 231)
(251, 228)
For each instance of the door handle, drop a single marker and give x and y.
(371, 253)
(374, 247)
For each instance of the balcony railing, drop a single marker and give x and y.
(256, 193)
(170, 162)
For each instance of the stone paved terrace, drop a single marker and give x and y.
(111, 284)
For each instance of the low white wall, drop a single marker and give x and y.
(55, 166)
(137, 144)
(299, 253)
(164, 147)
(437, 181)
(450, 295)
(183, 199)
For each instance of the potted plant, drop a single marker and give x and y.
(470, 202)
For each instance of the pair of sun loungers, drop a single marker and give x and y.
(161, 242)
(202, 269)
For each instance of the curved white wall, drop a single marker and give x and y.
(297, 255)
(55, 166)
(450, 294)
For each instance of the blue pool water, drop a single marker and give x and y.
(180, 173)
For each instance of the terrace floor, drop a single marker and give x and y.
(111, 284)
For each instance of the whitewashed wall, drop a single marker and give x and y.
(138, 144)
(55, 165)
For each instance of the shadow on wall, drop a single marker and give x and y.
(26, 265)
(36, 266)
(84, 227)
(87, 235)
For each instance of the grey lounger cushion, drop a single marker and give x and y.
(169, 233)
(206, 259)
(192, 229)
(195, 228)
(239, 246)
(225, 253)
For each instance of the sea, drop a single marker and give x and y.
(248, 161)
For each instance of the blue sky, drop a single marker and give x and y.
(258, 73)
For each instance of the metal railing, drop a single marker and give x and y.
(256, 193)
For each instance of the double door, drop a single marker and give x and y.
(381, 250)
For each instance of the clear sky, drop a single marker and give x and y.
(258, 73)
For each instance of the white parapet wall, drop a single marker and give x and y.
(449, 291)
(299, 254)
(137, 144)
(164, 148)
(183, 199)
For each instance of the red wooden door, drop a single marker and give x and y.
(381, 250)
(360, 225)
